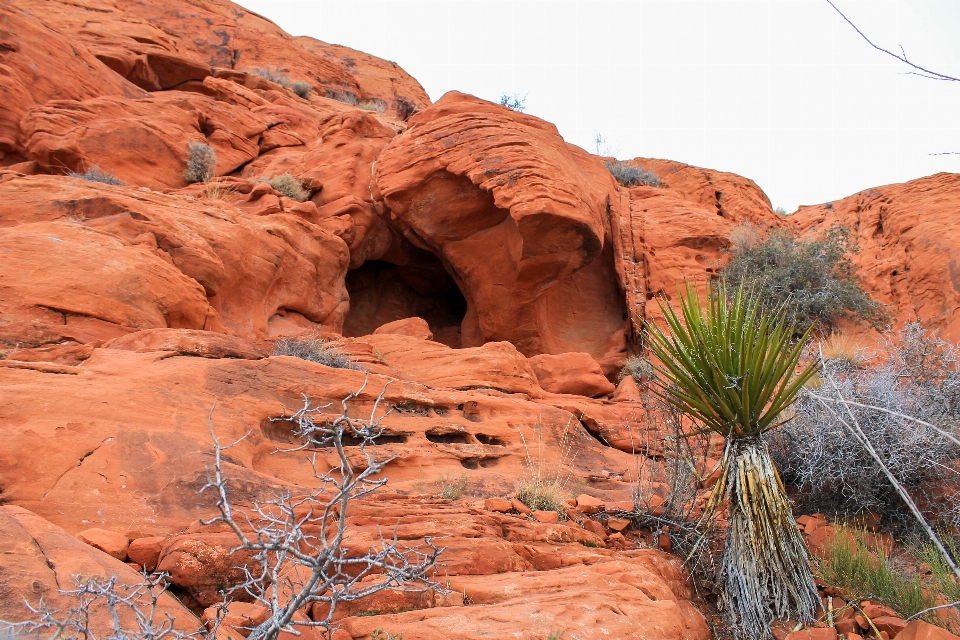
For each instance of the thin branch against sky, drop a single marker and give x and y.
(920, 71)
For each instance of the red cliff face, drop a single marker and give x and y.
(489, 275)
(909, 236)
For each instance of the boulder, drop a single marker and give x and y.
(573, 373)
(548, 517)
(146, 551)
(588, 504)
(920, 630)
(413, 327)
(40, 559)
(110, 542)
(203, 564)
(497, 504)
(43, 64)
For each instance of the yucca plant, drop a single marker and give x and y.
(733, 366)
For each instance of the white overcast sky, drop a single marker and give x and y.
(781, 91)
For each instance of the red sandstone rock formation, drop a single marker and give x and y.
(908, 238)
(488, 275)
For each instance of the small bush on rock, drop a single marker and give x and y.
(301, 88)
(630, 176)
(374, 104)
(813, 279)
(636, 367)
(315, 350)
(273, 75)
(201, 163)
(342, 95)
(289, 186)
(514, 102)
(96, 175)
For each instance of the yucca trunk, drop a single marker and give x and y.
(765, 567)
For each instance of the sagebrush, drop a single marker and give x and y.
(323, 352)
(201, 163)
(630, 176)
(95, 174)
(301, 88)
(289, 186)
(813, 279)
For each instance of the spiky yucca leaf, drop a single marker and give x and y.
(733, 367)
(728, 364)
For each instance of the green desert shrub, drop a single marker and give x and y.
(201, 162)
(289, 186)
(814, 280)
(630, 176)
(97, 175)
(301, 88)
(315, 350)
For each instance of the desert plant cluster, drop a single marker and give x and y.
(325, 352)
(812, 277)
(628, 175)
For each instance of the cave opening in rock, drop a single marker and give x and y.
(381, 292)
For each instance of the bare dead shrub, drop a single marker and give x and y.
(296, 543)
(95, 174)
(129, 611)
(374, 104)
(513, 102)
(201, 163)
(671, 465)
(327, 353)
(832, 469)
(273, 74)
(630, 176)
(342, 95)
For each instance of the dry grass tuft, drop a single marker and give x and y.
(543, 488)
(323, 352)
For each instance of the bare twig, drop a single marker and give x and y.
(902, 57)
(931, 609)
(297, 543)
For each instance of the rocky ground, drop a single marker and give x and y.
(489, 277)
